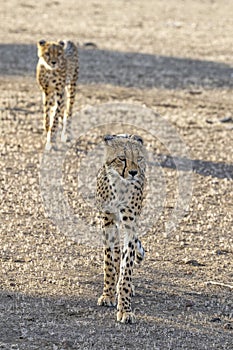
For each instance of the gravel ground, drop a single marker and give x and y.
(164, 69)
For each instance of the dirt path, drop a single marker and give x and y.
(175, 59)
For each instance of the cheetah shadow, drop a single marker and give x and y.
(134, 70)
(126, 69)
(218, 170)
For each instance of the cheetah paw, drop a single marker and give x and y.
(125, 317)
(66, 137)
(105, 300)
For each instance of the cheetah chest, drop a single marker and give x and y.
(52, 79)
(116, 194)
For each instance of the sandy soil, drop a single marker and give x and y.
(175, 59)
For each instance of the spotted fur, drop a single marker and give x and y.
(119, 195)
(57, 74)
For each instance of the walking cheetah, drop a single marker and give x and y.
(119, 195)
(57, 74)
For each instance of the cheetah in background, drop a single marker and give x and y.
(119, 195)
(57, 74)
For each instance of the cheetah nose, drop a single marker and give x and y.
(133, 172)
(54, 62)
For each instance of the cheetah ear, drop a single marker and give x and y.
(138, 138)
(61, 42)
(41, 42)
(108, 138)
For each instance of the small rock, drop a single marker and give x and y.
(195, 92)
(216, 319)
(189, 304)
(193, 262)
(226, 120)
(221, 252)
(90, 45)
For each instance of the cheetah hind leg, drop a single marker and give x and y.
(140, 254)
(70, 90)
(66, 134)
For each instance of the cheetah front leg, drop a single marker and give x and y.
(125, 288)
(58, 114)
(112, 255)
(48, 104)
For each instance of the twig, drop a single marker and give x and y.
(17, 109)
(219, 284)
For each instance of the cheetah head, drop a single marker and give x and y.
(51, 53)
(125, 154)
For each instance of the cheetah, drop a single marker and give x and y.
(57, 74)
(119, 197)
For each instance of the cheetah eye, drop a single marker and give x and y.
(140, 159)
(122, 158)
